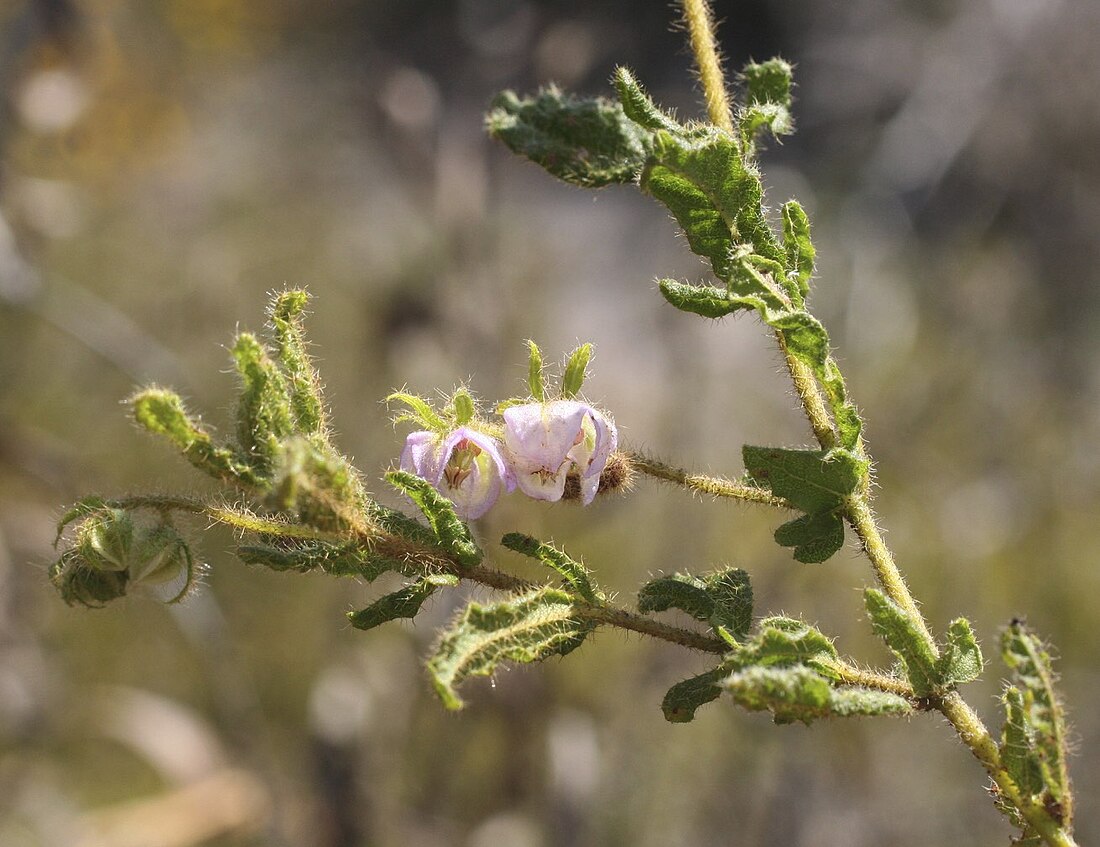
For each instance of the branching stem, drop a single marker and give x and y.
(717, 486)
(966, 722)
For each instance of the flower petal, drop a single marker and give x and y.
(538, 438)
(421, 456)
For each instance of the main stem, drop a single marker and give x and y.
(972, 732)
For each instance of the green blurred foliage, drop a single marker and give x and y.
(165, 164)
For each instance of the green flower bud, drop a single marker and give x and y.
(105, 540)
(78, 581)
(161, 563)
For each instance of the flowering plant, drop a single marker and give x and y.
(309, 509)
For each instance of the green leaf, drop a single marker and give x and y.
(722, 599)
(678, 591)
(535, 381)
(575, 369)
(814, 537)
(347, 559)
(306, 402)
(684, 698)
(800, 694)
(854, 700)
(589, 142)
(1033, 673)
(812, 480)
(527, 628)
(162, 413)
(790, 694)
(398, 523)
(264, 418)
(731, 591)
(714, 196)
(638, 105)
(315, 482)
(464, 407)
(420, 411)
(961, 660)
(768, 101)
(1018, 753)
(797, 246)
(574, 573)
(803, 335)
(404, 603)
(783, 642)
(904, 638)
(454, 536)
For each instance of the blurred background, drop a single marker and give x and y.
(165, 163)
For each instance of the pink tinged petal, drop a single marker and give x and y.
(538, 438)
(589, 487)
(420, 456)
(472, 472)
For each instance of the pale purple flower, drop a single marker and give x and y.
(546, 440)
(465, 466)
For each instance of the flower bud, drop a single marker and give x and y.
(162, 564)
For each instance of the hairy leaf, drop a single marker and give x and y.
(1032, 672)
(797, 246)
(452, 533)
(162, 413)
(961, 660)
(264, 418)
(306, 403)
(722, 599)
(639, 106)
(815, 538)
(574, 573)
(684, 698)
(812, 480)
(799, 693)
(782, 641)
(589, 142)
(1018, 753)
(906, 641)
(404, 603)
(526, 628)
(346, 559)
(768, 86)
(713, 194)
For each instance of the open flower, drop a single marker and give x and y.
(546, 440)
(465, 466)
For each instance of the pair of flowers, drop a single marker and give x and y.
(543, 442)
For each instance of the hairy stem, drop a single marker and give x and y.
(717, 486)
(974, 735)
(966, 722)
(862, 520)
(700, 25)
